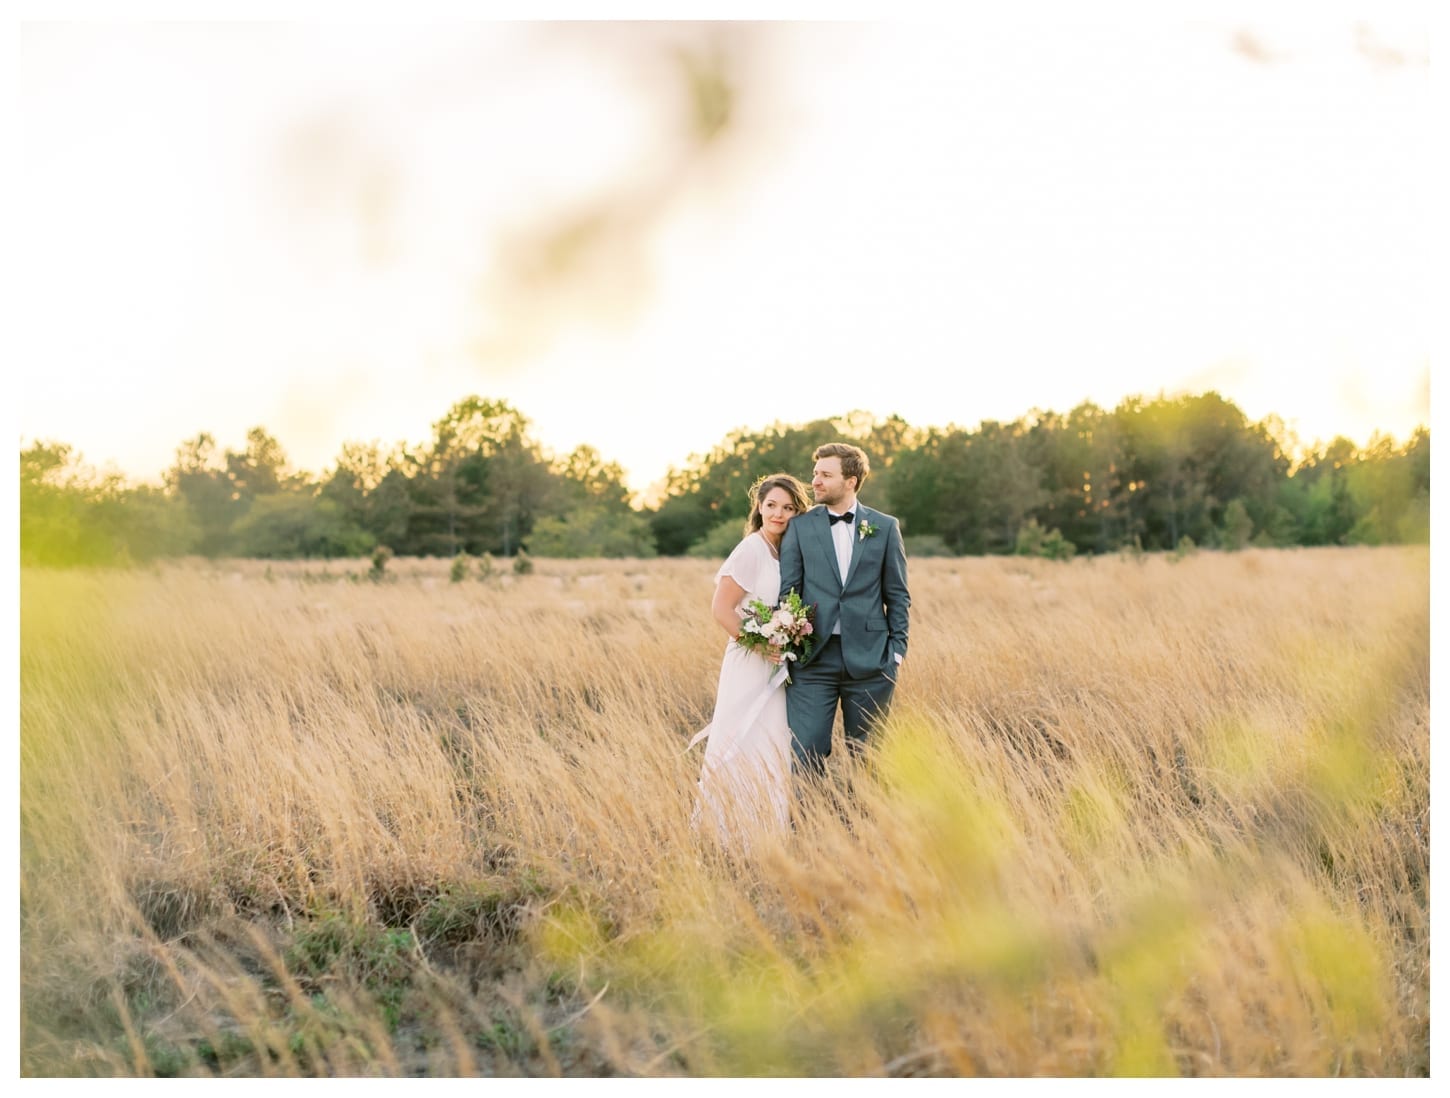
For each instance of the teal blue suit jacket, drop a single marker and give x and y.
(872, 605)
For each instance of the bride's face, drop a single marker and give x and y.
(776, 510)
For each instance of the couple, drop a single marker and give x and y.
(848, 561)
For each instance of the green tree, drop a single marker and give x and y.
(370, 487)
(291, 525)
(935, 487)
(1414, 524)
(260, 468)
(1034, 541)
(1389, 496)
(1238, 527)
(719, 541)
(69, 515)
(714, 487)
(1236, 459)
(144, 523)
(479, 486)
(199, 478)
(682, 520)
(973, 489)
(51, 520)
(584, 477)
(1167, 500)
(1317, 494)
(593, 530)
(1007, 485)
(1188, 457)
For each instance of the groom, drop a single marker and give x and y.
(849, 561)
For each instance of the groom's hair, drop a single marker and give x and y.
(854, 462)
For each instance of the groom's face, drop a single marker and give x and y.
(828, 485)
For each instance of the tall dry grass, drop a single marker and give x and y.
(1129, 816)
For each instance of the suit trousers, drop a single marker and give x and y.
(813, 696)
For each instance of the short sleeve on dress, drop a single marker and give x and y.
(742, 565)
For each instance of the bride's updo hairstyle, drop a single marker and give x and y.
(764, 486)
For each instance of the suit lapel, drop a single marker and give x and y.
(826, 545)
(858, 543)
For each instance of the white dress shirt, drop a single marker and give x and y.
(844, 535)
(841, 533)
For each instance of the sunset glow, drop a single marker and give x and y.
(336, 231)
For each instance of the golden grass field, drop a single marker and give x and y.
(1130, 816)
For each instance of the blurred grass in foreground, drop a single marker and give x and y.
(1147, 816)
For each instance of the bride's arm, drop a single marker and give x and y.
(728, 594)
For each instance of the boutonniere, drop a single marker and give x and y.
(865, 530)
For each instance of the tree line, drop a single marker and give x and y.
(1150, 474)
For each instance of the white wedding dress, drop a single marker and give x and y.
(745, 779)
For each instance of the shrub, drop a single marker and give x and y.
(926, 545)
(289, 525)
(1034, 541)
(381, 555)
(459, 570)
(716, 545)
(593, 531)
(1238, 527)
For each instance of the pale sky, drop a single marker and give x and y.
(317, 228)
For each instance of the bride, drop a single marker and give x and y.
(745, 779)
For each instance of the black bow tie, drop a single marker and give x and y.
(839, 518)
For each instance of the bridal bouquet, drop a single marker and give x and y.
(785, 630)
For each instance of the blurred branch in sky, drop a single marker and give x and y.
(1251, 46)
(1371, 46)
(1380, 54)
(587, 258)
(336, 180)
(547, 157)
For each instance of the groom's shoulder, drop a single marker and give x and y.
(881, 515)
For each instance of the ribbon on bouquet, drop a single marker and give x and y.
(781, 676)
